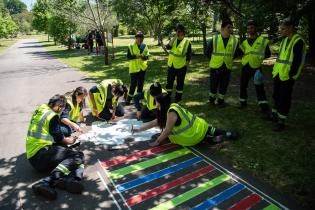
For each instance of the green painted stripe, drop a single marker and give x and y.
(192, 193)
(271, 207)
(148, 163)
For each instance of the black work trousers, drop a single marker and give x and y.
(60, 161)
(282, 95)
(136, 81)
(106, 112)
(219, 81)
(179, 74)
(247, 74)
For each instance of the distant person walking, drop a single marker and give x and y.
(178, 60)
(98, 41)
(90, 42)
(137, 54)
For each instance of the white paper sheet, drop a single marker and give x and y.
(104, 133)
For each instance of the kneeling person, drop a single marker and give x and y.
(181, 126)
(103, 99)
(47, 151)
(72, 115)
(145, 102)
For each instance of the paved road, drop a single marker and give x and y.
(29, 76)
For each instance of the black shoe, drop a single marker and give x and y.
(231, 135)
(69, 184)
(43, 188)
(242, 106)
(212, 100)
(279, 127)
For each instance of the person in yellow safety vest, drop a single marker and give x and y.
(221, 51)
(178, 60)
(72, 115)
(138, 55)
(145, 102)
(103, 99)
(255, 49)
(286, 70)
(47, 151)
(182, 127)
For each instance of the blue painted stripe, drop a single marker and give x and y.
(131, 184)
(219, 198)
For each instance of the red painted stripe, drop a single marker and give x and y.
(246, 203)
(165, 187)
(123, 159)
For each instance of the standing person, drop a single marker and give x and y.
(137, 54)
(99, 42)
(178, 60)
(90, 42)
(145, 102)
(182, 127)
(221, 51)
(72, 115)
(46, 150)
(103, 99)
(286, 70)
(255, 49)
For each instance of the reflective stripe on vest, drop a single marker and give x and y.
(285, 59)
(74, 113)
(223, 54)
(136, 65)
(177, 54)
(38, 133)
(255, 53)
(190, 122)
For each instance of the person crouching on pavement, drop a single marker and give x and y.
(47, 151)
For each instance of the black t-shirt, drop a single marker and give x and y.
(54, 129)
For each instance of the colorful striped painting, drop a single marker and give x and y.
(175, 177)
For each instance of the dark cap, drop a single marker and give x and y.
(139, 34)
(289, 22)
(251, 23)
(155, 89)
(180, 27)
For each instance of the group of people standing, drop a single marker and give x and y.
(49, 144)
(222, 49)
(91, 36)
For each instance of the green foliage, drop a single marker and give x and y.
(7, 26)
(60, 29)
(15, 6)
(40, 16)
(24, 21)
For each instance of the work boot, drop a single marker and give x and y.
(178, 97)
(231, 135)
(44, 189)
(212, 101)
(280, 126)
(69, 184)
(273, 117)
(243, 105)
(221, 103)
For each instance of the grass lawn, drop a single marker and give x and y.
(5, 44)
(284, 160)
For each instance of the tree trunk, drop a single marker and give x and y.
(204, 36)
(48, 37)
(105, 48)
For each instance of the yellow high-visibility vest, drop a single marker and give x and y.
(136, 65)
(149, 99)
(221, 54)
(255, 54)
(74, 114)
(38, 135)
(192, 129)
(177, 55)
(284, 61)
